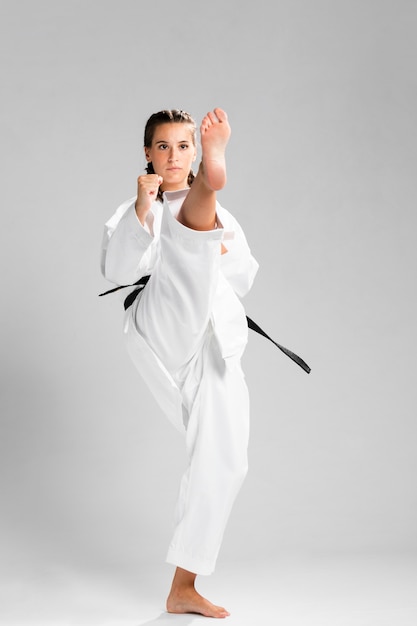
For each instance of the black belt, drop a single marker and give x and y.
(142, 282)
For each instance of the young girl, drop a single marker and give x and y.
(186, 330)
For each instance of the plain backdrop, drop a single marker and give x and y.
(322, 99)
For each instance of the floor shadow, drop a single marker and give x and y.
(170, 619)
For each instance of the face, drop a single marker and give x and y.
(172, 154)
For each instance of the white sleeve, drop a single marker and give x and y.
(127, 248)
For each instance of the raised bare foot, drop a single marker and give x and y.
(188, 600)
(215, 132)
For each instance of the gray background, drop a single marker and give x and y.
(322, 97)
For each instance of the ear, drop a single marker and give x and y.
(147, 157)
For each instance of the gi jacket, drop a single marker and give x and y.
(130, 251)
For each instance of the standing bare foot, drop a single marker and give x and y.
(215, 132)
(184, 598)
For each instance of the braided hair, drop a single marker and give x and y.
(174, 116)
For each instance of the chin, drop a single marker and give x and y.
(178, 183)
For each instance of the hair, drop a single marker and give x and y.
(167, 116)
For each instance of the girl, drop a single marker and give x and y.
(186, 330)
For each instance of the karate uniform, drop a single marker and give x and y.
(186, 333)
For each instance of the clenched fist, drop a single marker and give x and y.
(148, 186)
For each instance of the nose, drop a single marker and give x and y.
(172, 154)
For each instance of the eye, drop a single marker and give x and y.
(184, 146)
(162, 146)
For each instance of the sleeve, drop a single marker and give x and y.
(238, 265)
(128, 247)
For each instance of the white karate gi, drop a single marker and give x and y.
(186, 333)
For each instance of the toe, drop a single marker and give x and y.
(220, 114)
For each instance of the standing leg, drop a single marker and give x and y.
(217, 441)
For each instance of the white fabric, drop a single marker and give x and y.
(186, 333)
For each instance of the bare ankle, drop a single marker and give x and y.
(183, 597)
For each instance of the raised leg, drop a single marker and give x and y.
(199, 208)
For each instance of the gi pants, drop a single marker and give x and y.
(190, 359)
